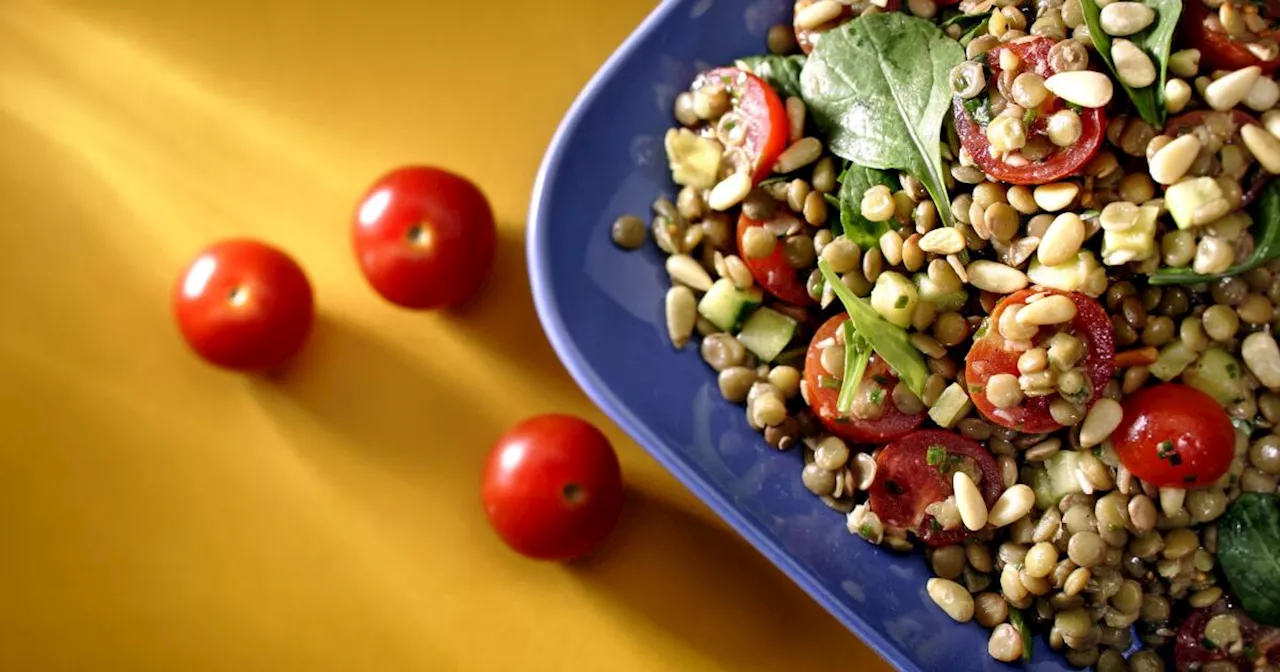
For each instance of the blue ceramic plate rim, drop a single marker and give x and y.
(538, 232)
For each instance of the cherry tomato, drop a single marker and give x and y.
(807, 38)
(424, 237)
(892, 425)
(244, 305)
(552, 487)
(906, 484)
(1061, 161)
(1217, 49)
(774, 274)
(760, 111)
(990, 355)
(1258, 642)
(1223, 124)
(1174, 435)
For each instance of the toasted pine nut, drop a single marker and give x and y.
(795, 118)
(1262, 355)
(1053, 309)
(1101, 421)
(682, 314)
(973, 511)
(1264, 147)
(1227, 91)
(801, 153)
(729, 192)
(1173, 160)
(1085, 88)
(1013, 504)
(995, 277)
(1133, 66)
(946, 240)
(683, 269)
(952, 598)
(1056, 196)
(818, 13)
(1062, 240)
(1121, 19)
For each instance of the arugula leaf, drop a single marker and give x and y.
(781, 72)
(853, 184)
(1249, 553)
(878, 86)
(857, 353)
(1266, 244)
(1155, 41)
(889, 340)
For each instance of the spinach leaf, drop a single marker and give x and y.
(969, 25)
(973, 32)
(1155, 41)
(853, 184)
(857, 354)
(781, 72)
(878, 86)
(1266, 244)
(886, 338)
(1249, 553)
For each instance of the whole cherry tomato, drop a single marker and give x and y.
(1174, 435)
(774, 273)
(244, 305)
(760, 112)
(425, 237)
(552, 487)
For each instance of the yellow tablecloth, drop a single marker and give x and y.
(157, 514)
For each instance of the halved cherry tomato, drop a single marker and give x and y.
(807, 38)
(893, 424)
(244, 305)
(761, 113)
(1224, 124)
(1174, 435)
(552, 488)
(1217, 49)
(1034, 56)
(1258, 642)
(990, 355)
(778, 277)
(906, 484)
(425, 237)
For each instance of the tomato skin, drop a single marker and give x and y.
(1190, 424)
(527, 482)
(808, 38)
(1190, 653)
(1216, 49)
(1061, 163)
(763, 113)
(244, 305)
(773, 272)
(444, 267)
(822, 400)
(906, 484)
(1186, 123)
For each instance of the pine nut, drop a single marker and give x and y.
(682, 314)
(1173, 160)
(1013, 504)
(1263, 96)
(729, 192)
(1262, 356)
(795, 118)
(684, 270)
(820, 12)
(1056, 196)
(1227, 91)
(737, 271)
(995, 277)
(973, 511)
(1171, 500)
(1121, 19)
(1053, 309)
(946, 240)
(1133, 67)
(1271, 121)
(891, 246)
(1185, 63)
(801, 153)
(1102, 419)
(1177, 93)
(1062, 240)
(952, 598)
(1264, 147)
(1005, 644)
(1085, 88)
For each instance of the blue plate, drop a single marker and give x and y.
(602, 308)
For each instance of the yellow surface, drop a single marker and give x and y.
(157, 514)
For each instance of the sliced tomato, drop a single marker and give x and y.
(1174, 435)
(759, 110)
(773, 272)
(906, 484)
(1033, 54)
(807, 38)
(893, 424)
(1217, 49)
(990, 355)
(1223, 123)
(1192, 650)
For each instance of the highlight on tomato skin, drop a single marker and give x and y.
(1174, 435)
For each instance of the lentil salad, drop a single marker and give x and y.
(1007, 274)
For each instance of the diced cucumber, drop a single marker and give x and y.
(1136, 243)
(725, 306)
(1038, 480)
(766, 333)
(941, 299)
(1217, 374)
(1187, 196)
(1173, 359)
(1056, 479)
(694, 160)
(895, 298)
(1081, 273)
(952, 405)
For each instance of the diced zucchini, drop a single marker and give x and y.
(726, 306)
(1187, 196)
(944, 301)
(894, 298)
(1060, 472)
(1217, 374)
(1173, 359)
(1136, 243)
(694, 160)
(1080, 274)
(766, 333)
(952, 405)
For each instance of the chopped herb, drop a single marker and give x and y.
(1097, 450)
(893, 487)
(935, 455)
(1208, 644)
(935, 525)
(1029, 117)
(1233, 370)
(1015, 618)
(865, 531)
(1075, 108)
(901, 302)
(877, 395)
(828, 383)
(1090, 214)
(979, 109)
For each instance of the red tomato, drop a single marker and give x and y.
(906, 484)
(778, 277)
(761, 112)
(807, 38)
(990, 355)
(552, 488)
(1034, 55)
(1174, 435)
(424, 237)
(822, 400)
(1225, 124)
(1190, 652)
(1217, 50)
(244, 305)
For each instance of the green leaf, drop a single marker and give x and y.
(888, 340)
(781, 72)
(853, 184)
(857, 353)
(878, 86)
(975, 31)
(1156, 41)
(1266, 244)
(1016, 619)
(1249, 553)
